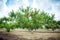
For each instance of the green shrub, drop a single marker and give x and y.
(30, 19)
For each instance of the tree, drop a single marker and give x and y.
(30, 19)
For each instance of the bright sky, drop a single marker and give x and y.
(50, 6)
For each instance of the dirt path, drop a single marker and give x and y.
(26, 35)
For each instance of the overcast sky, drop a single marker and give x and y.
(50, 6)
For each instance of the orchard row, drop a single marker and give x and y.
(29, 18)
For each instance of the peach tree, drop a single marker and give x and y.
(29, 18)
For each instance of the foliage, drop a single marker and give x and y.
(58, 24)
(30, 19)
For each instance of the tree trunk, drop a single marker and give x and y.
(8, 30)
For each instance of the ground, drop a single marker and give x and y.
(24, 34)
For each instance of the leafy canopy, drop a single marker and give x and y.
(30, 19)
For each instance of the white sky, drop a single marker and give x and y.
(46, 5)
